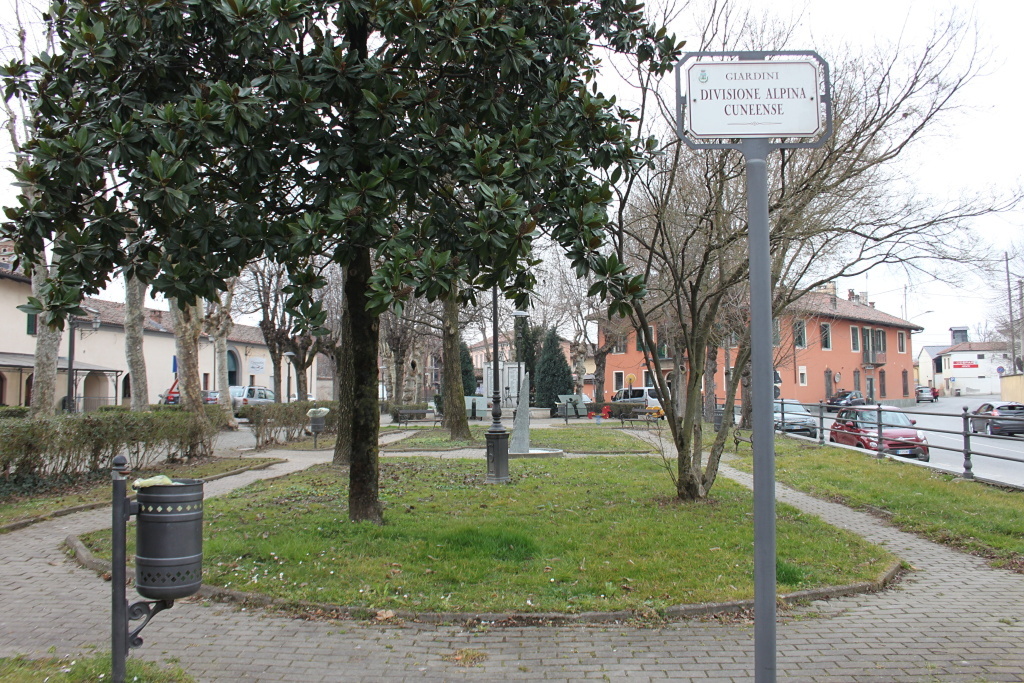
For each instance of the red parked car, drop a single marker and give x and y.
(859, 427)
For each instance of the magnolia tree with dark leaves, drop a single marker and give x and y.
(178, 142)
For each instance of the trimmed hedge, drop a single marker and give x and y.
(13, 412)
(283, 422)
(71, 444)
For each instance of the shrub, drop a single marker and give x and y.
(13, 412)
(282, 422)
(72, 444)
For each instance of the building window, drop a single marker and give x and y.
(776, 332)
(879, 341)
(206, 381)
(901, 342)
(32, 322)
(640, 339)
(802, 375)
(800, 334)
(856, 380)
(826, 336)
(945, 362)
(648, 379)
(854, 339)
(620, 343)
(906, 383)
(981, 356)
(881, 383)
(618, 379)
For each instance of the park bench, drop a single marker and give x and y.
(738, 438)
(639, 414)
(408, 415)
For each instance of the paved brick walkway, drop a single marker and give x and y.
(953, 619)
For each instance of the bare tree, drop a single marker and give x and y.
(218, 323)
(48, 338)
(840, 210)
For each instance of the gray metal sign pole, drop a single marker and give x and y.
(755, 151)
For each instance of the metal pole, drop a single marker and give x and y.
(118, 600)
(1013, 331)
(968, 467)
(880, 446)
(70, 404)
(755, 151)
(497, 437)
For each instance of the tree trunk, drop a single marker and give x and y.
(710, 382)
(451, 378)
(219, 324)
(220, 348)
(44, 373)
(134, 319)
(344, 380)
(363, 493)
(188, 325)
(345, 396)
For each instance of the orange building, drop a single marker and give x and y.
(823, 344)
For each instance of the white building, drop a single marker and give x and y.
(100, 370)
(972, 368)
(929, 366)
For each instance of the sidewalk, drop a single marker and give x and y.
(952, 619)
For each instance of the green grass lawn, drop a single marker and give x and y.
(97, 489)
(596, 533)
(576, 438)
(84, 669)
(975, 517)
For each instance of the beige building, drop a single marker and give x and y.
(99, 368)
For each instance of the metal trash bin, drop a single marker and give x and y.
(317, 424)
(169, 540)
(719, 414)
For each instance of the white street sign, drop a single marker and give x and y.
(753, 99)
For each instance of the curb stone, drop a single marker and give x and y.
(84, 557)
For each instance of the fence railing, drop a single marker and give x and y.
(872, 432)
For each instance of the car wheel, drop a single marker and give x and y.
(925, 458)
(988, 429)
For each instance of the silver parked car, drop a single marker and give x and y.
(792, 417)
(246, 396)
(644, 396)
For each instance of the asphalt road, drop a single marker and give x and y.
(947, 449)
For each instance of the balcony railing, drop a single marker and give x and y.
(874, 358)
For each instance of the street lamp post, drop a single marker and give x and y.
(288, 390)
(497, 437)
(519, 355)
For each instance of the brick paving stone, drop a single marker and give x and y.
(952, 619)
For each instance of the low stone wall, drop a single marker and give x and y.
(1011, 388)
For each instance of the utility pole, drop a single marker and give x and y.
(1013, 328)
(1020, 294)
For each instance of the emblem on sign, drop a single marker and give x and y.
(703, 77)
